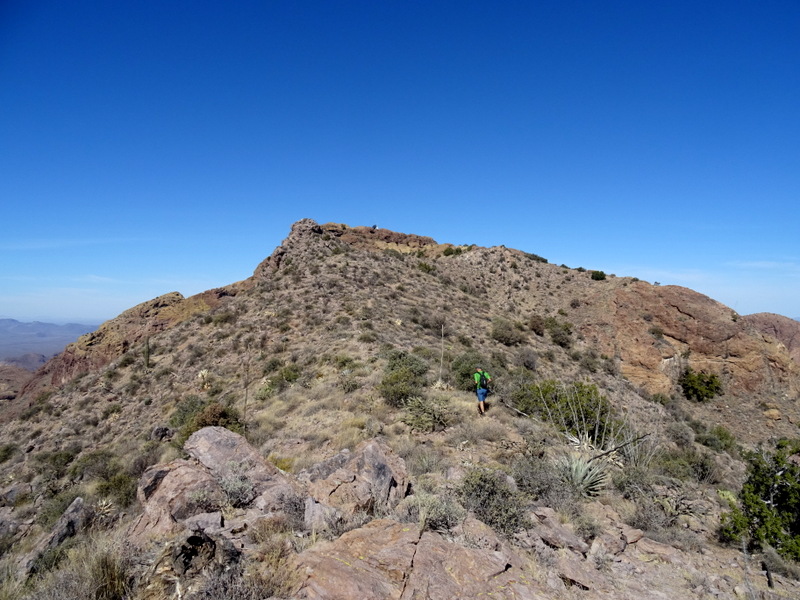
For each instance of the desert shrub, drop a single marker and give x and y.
(436, 513)
(126, 360)
(537, 324)
(589, 361)
(404, 375)
(649, 515)
(54, 463)
(560, 332)
(768, 511)
(598, 275)
(775, 563)
(425, 267)
(185, 410)
(427, 414)
(107, 569)
(95, 464)
(423, 459)
(111, 409)
(463, 367)
(120, 487)
(241, 583)
(577, 409)
(718, 438)
(544, 482)
(400, 359)
(680, 433)
(689, 464)
(527, 359)
(238, 487)
(490, 496)
(54, 507)
(699, 386)
(7, 451)
(212, 414)
(398, 386)
(348, 383)
(40, 404)
(223, 318)
(505, 332)
(634, 482)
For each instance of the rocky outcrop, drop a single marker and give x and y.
(396, 560)
(783, 329)
(371, 479)
(74, 520)
(190, 494)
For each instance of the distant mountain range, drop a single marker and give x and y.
(31, 344)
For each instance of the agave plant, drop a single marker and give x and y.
(587, 476)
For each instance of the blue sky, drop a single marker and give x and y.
(152, 146)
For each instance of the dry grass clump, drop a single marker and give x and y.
(102, 568)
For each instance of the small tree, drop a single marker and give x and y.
(700, 386)
(769, 503)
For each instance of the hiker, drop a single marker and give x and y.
(482, 379)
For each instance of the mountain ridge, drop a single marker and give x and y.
(301, 357)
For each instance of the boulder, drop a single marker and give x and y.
(233, 462)
(171, 493)
(370, 478)
(386, 559)
(548, 527)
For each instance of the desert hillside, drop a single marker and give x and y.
(311, 432)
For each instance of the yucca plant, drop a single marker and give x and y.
(588, 477)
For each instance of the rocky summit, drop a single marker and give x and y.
(312, 432)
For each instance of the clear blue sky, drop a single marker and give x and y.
(152, 146)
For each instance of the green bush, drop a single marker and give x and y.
(768, 513)
(490, 496)
(427, 414)
(598, 275)
(537, 324)
(463, 369)
(689, 465)
(185, 410)
(718, 438)
(505, 332)
(560, 332)
(700, 386)
(576, 408)
(212, 414)
(120, 487)
(400, 359)
(398, 386)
